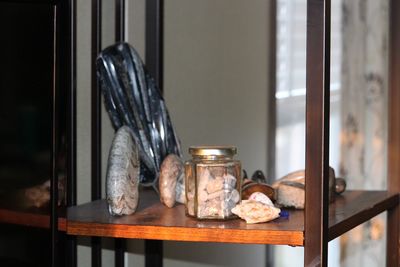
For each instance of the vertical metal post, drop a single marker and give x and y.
(154, 39)
(154, 63)
(96, 122)
(119, 20)
(154, 253)
(119, 247)
(317, 133)
(271, 152)
(71, 107)
(119, 243)
(71, 257)
(393, 222)
(54, 152)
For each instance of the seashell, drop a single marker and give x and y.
(256, 212)
(122, 177)
(171, 170)
(260, 197)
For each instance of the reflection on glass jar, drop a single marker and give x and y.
(213, 182)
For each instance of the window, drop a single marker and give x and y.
(290, 102)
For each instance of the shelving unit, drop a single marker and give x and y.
(312, 228)
(153, 220)
(36, 218)
(38, 40)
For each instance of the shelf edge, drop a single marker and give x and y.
(294, 238)
(344, 226)
(30, 219)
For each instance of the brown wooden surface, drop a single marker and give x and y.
(28, 218)
(152, 220)
(356, 207)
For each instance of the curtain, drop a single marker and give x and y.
(364, 119)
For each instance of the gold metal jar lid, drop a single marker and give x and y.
(227, 151)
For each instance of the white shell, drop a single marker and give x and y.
(260, 197)
(256, 212)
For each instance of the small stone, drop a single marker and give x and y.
(204, 178)
(260, 197)
(219, 194)
(256, 212)
(216, 193)
(229, 181)
(170, 171)
(215, 185)
(230, 201)
(210, 208)
(340, 185)
(180, 189)
(216, 171)
(203, 196)
(234, 196)
(122, 177)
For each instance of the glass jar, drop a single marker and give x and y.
(213, 182)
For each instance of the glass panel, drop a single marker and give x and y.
(216, 66)
(364, 121)
(290, 101)
(26, 129)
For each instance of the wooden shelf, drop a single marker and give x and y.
(152, 220)
(36, 218)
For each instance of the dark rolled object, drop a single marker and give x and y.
(132, 98)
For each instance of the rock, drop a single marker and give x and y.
(204, 178)
(230, 202)
(290, 194)
(170, 171)
(256, 212)
(216, 193)
(122, 177)
(215, 185)
(260, 197)
(229, 181)
(234, 196)
(290, 188)
(211, 208)
(340, 185)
